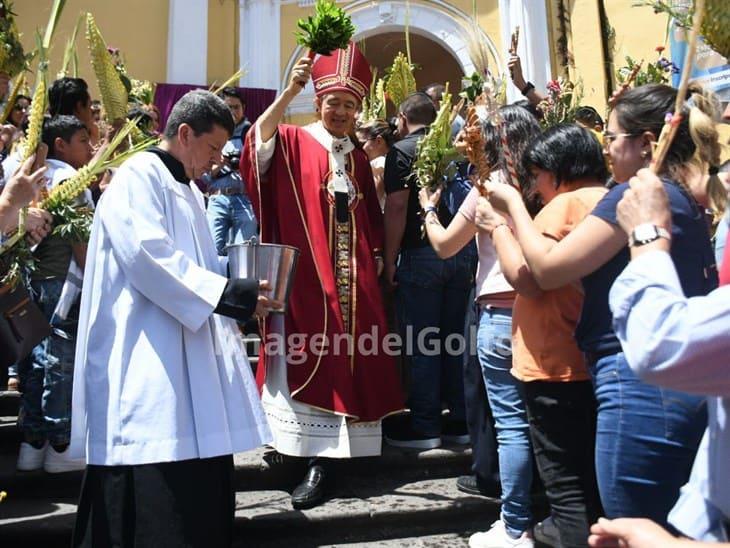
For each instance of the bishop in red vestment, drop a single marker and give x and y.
(312, 189)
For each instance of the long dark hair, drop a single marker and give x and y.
(519, 127)
(644, 109)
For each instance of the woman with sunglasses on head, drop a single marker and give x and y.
(646, 438)
(376, 137)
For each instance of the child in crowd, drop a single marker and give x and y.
(46, 376)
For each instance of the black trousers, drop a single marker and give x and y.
(562, 417)
(187, 503)
(479, 422)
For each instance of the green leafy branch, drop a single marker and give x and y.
(435, 153)
(329, 29)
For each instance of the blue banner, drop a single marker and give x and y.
(710, 68)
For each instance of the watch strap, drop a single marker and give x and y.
(659, 232)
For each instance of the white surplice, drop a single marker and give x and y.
(158, 376)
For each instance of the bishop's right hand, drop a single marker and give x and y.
(300, 75)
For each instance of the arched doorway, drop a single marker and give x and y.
(434, 63)
(444, 27)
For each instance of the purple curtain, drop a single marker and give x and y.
(257, 100)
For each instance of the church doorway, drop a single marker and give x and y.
(433, 62)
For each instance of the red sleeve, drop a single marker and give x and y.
(725, 267)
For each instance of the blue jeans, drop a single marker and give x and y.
(507, 400)
(231, 219)
(46, 376)
(646, 440)
(433, 295)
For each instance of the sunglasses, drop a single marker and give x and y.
(609, 137)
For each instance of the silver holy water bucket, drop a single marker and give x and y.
(272, 262)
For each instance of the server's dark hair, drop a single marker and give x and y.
(201, 110)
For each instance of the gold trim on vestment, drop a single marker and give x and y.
(316, 267)
(353, 285)
(258, 178)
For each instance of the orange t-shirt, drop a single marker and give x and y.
(543, 345)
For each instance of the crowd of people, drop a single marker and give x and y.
(588, 291)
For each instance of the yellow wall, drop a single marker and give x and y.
(137, 27)
(222, 39)
(637, 32)
(587, 50)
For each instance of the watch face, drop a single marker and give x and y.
(645, 232)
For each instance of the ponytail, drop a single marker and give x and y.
(703, 111)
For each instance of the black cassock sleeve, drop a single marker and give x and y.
(239, 299)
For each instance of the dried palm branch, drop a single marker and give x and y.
(400, 82)
(475, 142)
(114, 94)
(70, 56)
(37, 106)
(235, 77)
(10, 105)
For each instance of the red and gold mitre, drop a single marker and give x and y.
(342, 70)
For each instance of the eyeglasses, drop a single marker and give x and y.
(609, 137)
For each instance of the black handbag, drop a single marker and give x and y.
(22, 324)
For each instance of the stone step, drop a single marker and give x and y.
(372, 508)
(258, 469)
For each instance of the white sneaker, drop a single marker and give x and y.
(547, 532)
(30, 458)
(56, 462)
(497, 537)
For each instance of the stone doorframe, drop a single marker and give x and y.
(433, 19)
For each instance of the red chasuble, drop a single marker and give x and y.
(335, 290)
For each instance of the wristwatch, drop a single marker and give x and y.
(646, 233)
(529, 86)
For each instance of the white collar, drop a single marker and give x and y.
(338, 148)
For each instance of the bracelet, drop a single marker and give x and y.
(496, 227)
(527, 89)
(426, 210)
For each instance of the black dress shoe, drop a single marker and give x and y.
(311, 491)
(474, 485)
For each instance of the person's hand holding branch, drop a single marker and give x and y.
(22, 188)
